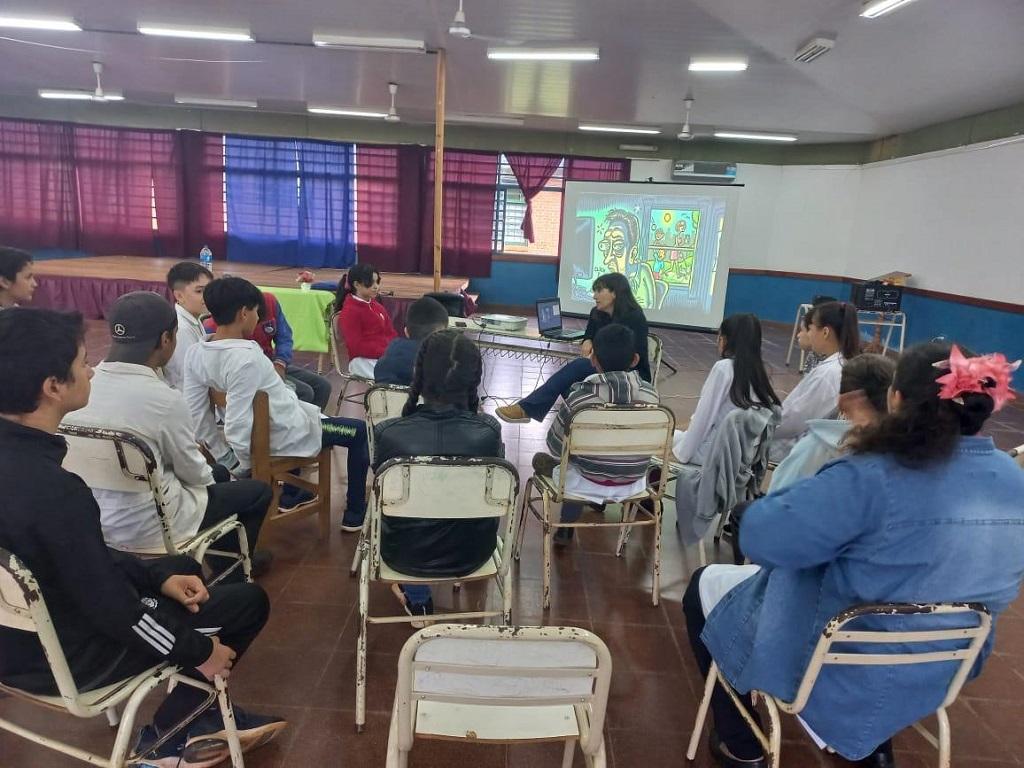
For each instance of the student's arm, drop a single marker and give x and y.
(351, 320)
(712, 395)
(283, 343)
(101, 591)
(243, 378)
(592, 326)
(810, 523)
(178, 446)
(813, 398)
(197, 400)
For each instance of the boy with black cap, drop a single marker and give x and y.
(128, 394)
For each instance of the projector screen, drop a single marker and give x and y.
(670, 240)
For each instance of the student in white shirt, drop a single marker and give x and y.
(17, 280)
(738, 380)
(187, 281)
(128, 394)
(231, 363)
(833, 333)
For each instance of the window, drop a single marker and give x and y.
(510, 207)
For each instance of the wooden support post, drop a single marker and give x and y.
(439, 164)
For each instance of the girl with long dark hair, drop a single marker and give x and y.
(613, 303)
(924, 511)
(833, 334)
(447, 378)
(738, 380)
(363, 322)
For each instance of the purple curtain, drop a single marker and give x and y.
(202, 189)
(532, 172)
(596, 169)
(38, 208)
(389, 183)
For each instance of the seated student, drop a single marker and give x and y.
(863, 392)
(447, 376)
(738, 380)
(187, 280)
(833, 332)
(363, 322)
(233, 364)
(613, 303)
(924, 511)
(128, 394)
(274, 335)
(425, 316)
(115, 615)
(17, 280)
(616, 381)
(811, 358)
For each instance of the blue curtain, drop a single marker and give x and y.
(290, 202)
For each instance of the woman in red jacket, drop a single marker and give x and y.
(363, 322)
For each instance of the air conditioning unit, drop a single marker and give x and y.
(703, 172)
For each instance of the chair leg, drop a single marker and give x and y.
(570, 751)
(341, 396)
(113, 717)
(547, 552)
(364, 608)
(625, 529)
(702, 712)
(324, 492)
(357, 556)
(599, 759)
(396, 758)
(656, 577)
(521, 528)
(244, 553)
(228, 717)
(774, 733)
(944, 745)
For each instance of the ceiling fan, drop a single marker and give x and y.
(460, 29)
(392, 116)
(687, 134)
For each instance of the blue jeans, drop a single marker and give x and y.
(543, 399)
(351, 434)
(416, 594)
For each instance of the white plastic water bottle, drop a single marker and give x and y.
(206, 257)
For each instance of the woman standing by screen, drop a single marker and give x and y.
(614, 303)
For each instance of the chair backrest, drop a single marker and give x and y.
(606, 430)
(22, 607)
(971, 634)
(655, 349)
(383, 402)
(336, 344)
(502, 667)
(437, 487)
(116, 460)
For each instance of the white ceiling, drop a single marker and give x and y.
(930, 61)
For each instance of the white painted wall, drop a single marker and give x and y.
(954, 219)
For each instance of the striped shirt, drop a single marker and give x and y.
(620, 388)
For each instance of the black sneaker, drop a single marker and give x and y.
(292, 498)
(724, 758)
(544, 464)
(563, 537)
(199, 753)
(253, 730)
(353, 523)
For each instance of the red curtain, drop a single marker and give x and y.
(596, 169)
(202, 193)
(388, 206)
(37, 185)
(128, 191)
(532, 172)
(470, 185)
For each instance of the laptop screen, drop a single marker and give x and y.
(549, 315)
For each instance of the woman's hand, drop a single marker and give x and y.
(586, 348)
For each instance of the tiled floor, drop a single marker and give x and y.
(303, 665)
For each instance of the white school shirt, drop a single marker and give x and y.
(190, 330)
(691, 446)
(239, 368)
(815, 397)
(135, 399)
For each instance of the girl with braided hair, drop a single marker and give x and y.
(446, 378)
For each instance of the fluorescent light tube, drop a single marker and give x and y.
(754, 136)
(358, 43)
(207, 101)
(505, 53)
(717, 65)
(233, 34)
(874, 8)
(346, 112)
(618, 129)
(484, 120)
(52, 24)
(79, 95)
(638, 147)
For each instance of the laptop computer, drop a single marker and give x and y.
(549, 321)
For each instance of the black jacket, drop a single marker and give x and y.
(437, 547)
(99, 599)
(636, 321)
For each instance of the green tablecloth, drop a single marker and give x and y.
(305, 313)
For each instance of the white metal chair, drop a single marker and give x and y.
(502, 685)
(22, 607)
(436, 488)
(1018, 455)
(347, 379)
(383, 402)
(116, 460)
(655, 350)
(611, 431)
(971, 633)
